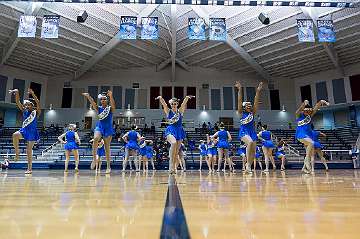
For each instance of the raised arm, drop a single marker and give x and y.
(257, 97)
(17, 98)
(239, 99)
(37, 101)
(322, 134)
(112, 101)
(208, 138)
(259, 136)
(125, 137)
(163, 104)
(91, 100)
(61, 138)
(184, 103)
(318, 105)
(301, 108)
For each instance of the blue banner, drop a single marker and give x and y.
(217, 29)
(149, 28)
(196, 30)
(50, 26)
(305, 30)
(326, 31)
(127, 27)
(27, 26)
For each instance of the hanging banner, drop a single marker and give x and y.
(326, 31)
(127, 27)
(149, 28)
(217, 29)
(27, 26)
(305, 30)
(50, 26)
(196, 29)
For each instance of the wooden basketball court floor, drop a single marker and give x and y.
(51, 204)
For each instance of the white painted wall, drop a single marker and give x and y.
(28, 77)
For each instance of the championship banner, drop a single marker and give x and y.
(196, 29)
(217, 29)
(149, 28)
(27, 26)
(326, 31)
(127, 27)
(50, 26)
(305, 30)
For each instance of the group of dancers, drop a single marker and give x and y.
(137, 147)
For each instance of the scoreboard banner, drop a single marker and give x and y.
(50, 26)
(305, 30)
(27, 26)
(196, 29)
(149, 28)
(217, 30)
(326, 31)
(128, 27)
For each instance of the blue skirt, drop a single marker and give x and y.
(258, 155)
(177, 132)
(268, 144)
(132, 145)
(317, 145)
(105, 130)
(71, 146)
(142, 151)
(29, 134)
(203, 152)
(301, 134)
(149, 155)
(214, 151)
(101, 152)
(223, 145)
(247, 131)
(279, 155)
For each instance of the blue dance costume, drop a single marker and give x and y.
(203, 150)
(241, 151)
(142, 148)
(303, 129)
(315, 138)
(223, 139)
(149, 152)
(247, 126)
(104, 125)
(71, 143)
(266, 135)
(175, 126)
(212, 149)
(132, 138)
(29, 127)
(258, 153)
(280, 152)
(101, 150)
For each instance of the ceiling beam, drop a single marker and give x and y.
(32, 9)
(104, 50)
(236, 47)
(314, 14)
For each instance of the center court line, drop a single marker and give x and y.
(174, 224)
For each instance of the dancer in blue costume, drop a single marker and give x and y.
(174, 132)
(223, 146)
(211, 152)
(257, 157)
(104, 128)
(318, 147)
(132, 139)
(280, 153)
(267, 147)
(181, 158)
(303, 130)
(247, 132)
(31, 112)
(203, 154)
(71, 145)
(149, 154)
(142, 152)
(241, 151)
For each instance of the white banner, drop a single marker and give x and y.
(27, 26)
(50, 26)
